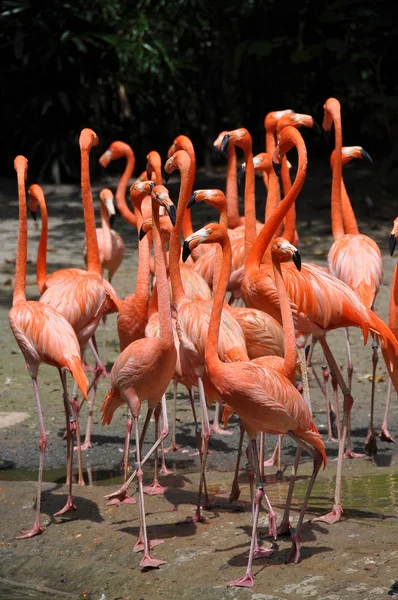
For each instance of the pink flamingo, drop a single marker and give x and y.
(115, 151)
(142, 372)
(44, 336)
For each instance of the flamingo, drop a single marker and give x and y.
(43, 336)
(385, 435)
(142, 372)
(264, 397)
(84, 297)
(116, 150)
(110, 244)
(354, 257)
(320, 302)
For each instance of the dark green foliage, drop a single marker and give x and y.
(146, 70)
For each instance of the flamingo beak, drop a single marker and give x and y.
(277, 168)
(225, 144)
(186, 251)
(392, 244)
(297, 259)
(142, 233)
(366, 155)
(241, 175)
(33, 214)
(192, 200)
(166, 176)
(171, 210)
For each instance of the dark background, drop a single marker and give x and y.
(145, 71)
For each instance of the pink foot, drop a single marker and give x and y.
(154, 489)
(246, 581)
(385, 436)
(296, 550)
(84, 446)
(350, 454)
(172, 448)
(119, 497)
(332, 439)
(197, 453)
(270, 462)
(261, 552)
(272, 525)
(219, 431)
(88, 368)
(139, 545)
(28, 533)
(68, 506)
(332, 517)
(197, 518)
(149, 562)
(165, 471)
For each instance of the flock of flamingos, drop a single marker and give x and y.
(230, 310)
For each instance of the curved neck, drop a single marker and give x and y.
(211, 354)
(143, 271)
(290, 221)
(93, 259)
(106, 228)
(289, 362)
(231, 189)
(165, 327)
(41, 264)
(349, 220)
(223, 220)
(120, 195)
(250, 202)
(175, 244)
(272, 224)
(186, 226)
(337, 217)
(22, 248)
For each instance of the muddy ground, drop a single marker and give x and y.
(88, 553)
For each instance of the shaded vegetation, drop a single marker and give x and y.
(147, 70)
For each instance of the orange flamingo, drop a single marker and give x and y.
(354, 257)
(264, 398)
(44, 336)
(143, 371)
(84, 297)
(320, 302)
(385, 435)
(115, 151)
(110, 244)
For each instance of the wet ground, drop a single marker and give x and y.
(88, 553)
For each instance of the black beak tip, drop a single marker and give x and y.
(33, 214)
(166, 176)
(366, 155)
(224, 145)
(277, 168)
(186, 251)
(142, 234)
(112, 220)
(316, 128)
(392, 243)
(241, 175)
(172, 213)
(297, 259)
(192, 200)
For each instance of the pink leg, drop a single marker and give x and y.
(235, 490)
(371, 444)
(37, 529)
(70, 428)
(284, 528)
(163, 467)
(296, 545)
(274, 456)
(309, 364)
(147, 561)
(325, 372)
(197, 429)
(124, 465)
(75, 408)
(87, 439)
(155, 488)
(248, 580)
(384, 434)
(216, 423)
(173, 446)
(350, 367)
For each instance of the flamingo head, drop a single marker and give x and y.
(283, 251)
(215, 198)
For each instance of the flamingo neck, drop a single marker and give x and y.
(22, 248)
(289, 362)
(249, 202)
(337, 178)
(211, 354)
(186, 226)
(41, 264)
(223, 220)
(106, 229)
(290, 221)
(120, 195)
(349, 220)
(143, 271)
(93, 259)
(231, 190)
(165, 326)
(270, 227)
(175, 244)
